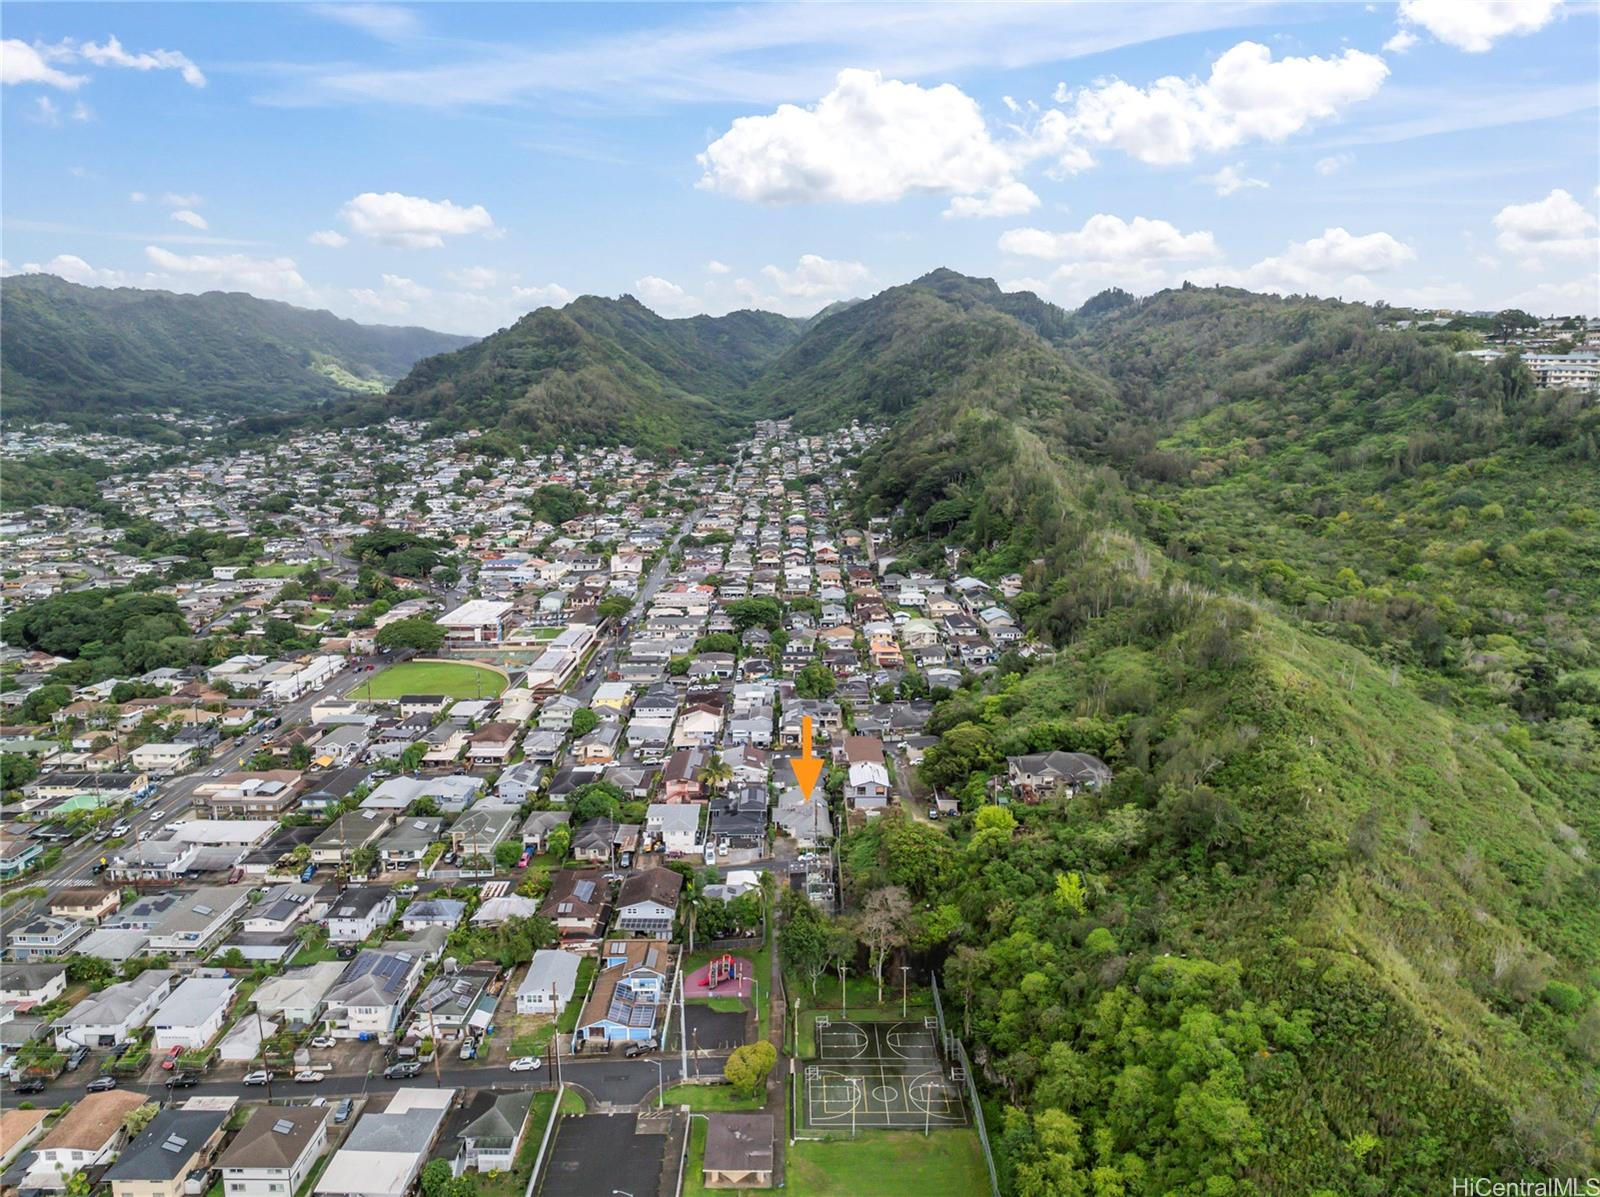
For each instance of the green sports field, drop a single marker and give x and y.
(451, 678)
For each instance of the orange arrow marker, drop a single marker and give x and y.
(807, 768)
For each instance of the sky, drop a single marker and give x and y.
(456, 166)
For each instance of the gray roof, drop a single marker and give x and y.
(551, 970)
(113, 1004)
(167, 1148)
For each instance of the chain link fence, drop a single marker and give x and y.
(956, 1051)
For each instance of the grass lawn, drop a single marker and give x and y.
(707, 1098)
(315, 953)
(275, 569)
(889, 1163)
(454, 679)
(568, 1022)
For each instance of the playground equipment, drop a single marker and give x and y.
(720, 971)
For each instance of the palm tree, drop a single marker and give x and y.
(717, 772)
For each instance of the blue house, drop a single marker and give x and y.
(629, 991)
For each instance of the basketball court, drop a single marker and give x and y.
(879, 1074)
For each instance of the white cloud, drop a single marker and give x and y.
(1400, 42)
(1556, 225)
(411, 222)
(75, 270)
(136, 197)
(272, 277)
(1111, 239)
(22, 63)
(111, 53)
(716, 267)
(474, 278)
(1333, 164)
(1475, 25)
(82, 112)
(816, 277)
(1336, 263)
(1560, 298)
(180, 199)
(45, 111)
(1010, 199)
(869, 140)
(394, 298)
(1229, 180)
(548, 295)
(329, 238)
(387, 22)
(191, 218)
(664, 297)
(1247, 97)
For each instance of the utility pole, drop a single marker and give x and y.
(261, 1042)
(438, 1082)
(904, 969)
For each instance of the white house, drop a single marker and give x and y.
(676, 825)
(163, 757)
(297, 997)
(549, 984)
(371, 992)
(358, 912)
(115, 1013)
(274, 1151)
(193, 1013)
(386, 1149)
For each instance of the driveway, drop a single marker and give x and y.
(603, 1153)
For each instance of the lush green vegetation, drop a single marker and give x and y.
(598, 370)
(1323, 595)
(115, 632)
(92, 355)
(453, 679)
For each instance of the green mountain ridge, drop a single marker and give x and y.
(84, 355)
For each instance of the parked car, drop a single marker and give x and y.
(469, 1049)
(638, 1049)
(522, 862)
(526, 1064)
(933, 813)
(324, 1041)
(76, 1057)
(32, 1084)
(170, 1060)
(343, 1111)
(307, 1076)
(183, 1080)
(156, 815)
(260, 1077)
(100, 1084)
(402, 1071)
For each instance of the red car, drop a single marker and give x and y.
(526, 857)
(170, 1060)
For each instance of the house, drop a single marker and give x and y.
(351, 831)
(29, 985)
(432, 912)
(87, 1136)
(697, 727)
(274, 1151)
(648, 902)
(577, 903)
(384, 1152)
(738, 1151)
(808, 822)
(680, 780)
(537, 827)
(192, 1014)
(19, 1129)
(629, 990)
(17, 855)
(740, 817)
(115, 1013)
(556, 715)
(195, 923)
(44, 937)
(675, 826)
(595, 841)
(542, 748)
(549, 983)
(405, 845)
(297, 997)
(868, 786)
(599, 747)
(455, 1002)
(492, 744)
(478, 831)
(366, 1000)
(87, 904)
(359, 912)
(250, 795)
(478, 621)
(422, 704)
(1041, 775)
(520, 782)
(495, 911)
(176, 1143)
(493, 1125)
(162, 758)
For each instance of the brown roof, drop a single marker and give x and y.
(93, 1120)
(261, 1144)
(652, 885)
(16, 1125)
(738, 1143)
(69, 899)
(858, 749)
(494, 733)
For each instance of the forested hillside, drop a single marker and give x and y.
(83, 355)
(1325, 596)
(598, 371)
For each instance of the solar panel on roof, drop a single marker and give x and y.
(174, 1143)
(584, 890)
(283, 1126)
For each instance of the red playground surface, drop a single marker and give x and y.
(732, 979)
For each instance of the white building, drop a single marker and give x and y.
(549, 984)
(274, 1151)
(163, 758)
(478, 621)
(115, 1013)
(193, 1013)
(385, 1150)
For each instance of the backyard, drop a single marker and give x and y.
(453, 679)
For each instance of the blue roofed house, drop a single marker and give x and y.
(629, 992)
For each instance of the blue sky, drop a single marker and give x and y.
(457, 165)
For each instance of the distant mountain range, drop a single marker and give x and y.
(86, 354)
